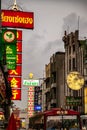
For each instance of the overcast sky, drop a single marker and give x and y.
(51, 19)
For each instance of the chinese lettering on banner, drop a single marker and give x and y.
(16, 74)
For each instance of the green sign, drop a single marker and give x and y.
(31, 82)
(11, 56)
(73, 101)
(9, 36)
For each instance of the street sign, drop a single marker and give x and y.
(31, 82)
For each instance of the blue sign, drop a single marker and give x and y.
(37, 108)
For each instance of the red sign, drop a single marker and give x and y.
(17, 19)
(19, 46)
(16, 94)
(19, 59)
(19, 35)
(16, 72)
(15, 82)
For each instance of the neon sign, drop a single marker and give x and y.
(31, 82)
(18, 19)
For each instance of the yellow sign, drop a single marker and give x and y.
(75, 81)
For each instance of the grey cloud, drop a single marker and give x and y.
(39, 55)
(56, 45)
(73, 22)
(70, 22)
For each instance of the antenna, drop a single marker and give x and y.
(78, 24)
(68, 29)
(78, 21)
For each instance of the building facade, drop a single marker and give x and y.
(75, 61)
(56, 90)
(54, 81)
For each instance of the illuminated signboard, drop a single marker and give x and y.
(19, 58)
(75, 80)
(19, 35)
(17, 19)
(31, 82)
(85, 99)
(11, 56)
(73, 101)
(9, 40)
(37, 108)
(16, 94)
(16, 72)
(15, 82)
(19, 46)
(9, 36)
(30, 101)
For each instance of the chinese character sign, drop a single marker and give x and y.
(16, 74)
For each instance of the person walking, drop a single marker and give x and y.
(12, 123)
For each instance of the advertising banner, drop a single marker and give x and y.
(17, 19)
(15, 82)
(16, 74)
(19, 35)
(73, 101)
(16, 94)
(19, 59)
(19, 47)
(11, 56)
(9, 36)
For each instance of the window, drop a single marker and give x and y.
(73, 63)
(73, 48)
(69, 64)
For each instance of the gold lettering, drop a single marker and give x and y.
(10, 19)
(30, 20)
(15, 93)
(17, 19)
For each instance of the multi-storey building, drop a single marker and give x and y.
(75, 60)
(54, 82)
(55, 89)
(57, 92)
(46, 87)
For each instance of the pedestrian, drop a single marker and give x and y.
(12, 123)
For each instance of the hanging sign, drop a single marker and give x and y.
(11, 56)
(17, 19)
(9, 36)
(31, 82)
